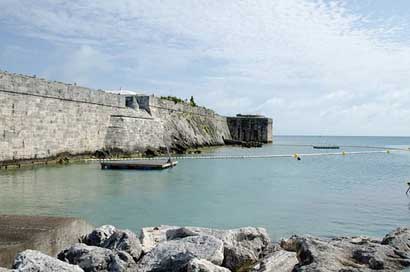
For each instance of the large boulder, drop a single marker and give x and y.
(124, 240)
(242, 247)
(109, 237)
(99, 235)
(346, 254)
(198, 265)
(35, 261)
(279, 261)
(399, 239)
(174, 255)
(92, 258)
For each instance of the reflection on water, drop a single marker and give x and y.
(358, 194)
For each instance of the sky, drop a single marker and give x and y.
(317, 67)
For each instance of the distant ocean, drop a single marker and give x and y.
(323, 195)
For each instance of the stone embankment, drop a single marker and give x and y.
(44, 121)
(191, 249)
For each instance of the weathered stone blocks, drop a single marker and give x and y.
(42, 119)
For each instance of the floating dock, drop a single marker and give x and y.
(138, 164)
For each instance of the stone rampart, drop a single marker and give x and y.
(41, 88)
(42, 119)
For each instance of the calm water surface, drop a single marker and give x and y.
(335, 195)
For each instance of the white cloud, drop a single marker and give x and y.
(83, 65)
(315, 66)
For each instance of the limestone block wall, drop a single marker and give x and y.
(41, 119)
(134, 133)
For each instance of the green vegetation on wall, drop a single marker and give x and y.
(192, 102)
(180, 100)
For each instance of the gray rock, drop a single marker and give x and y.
(152, 236)
(179, 233)
(2, 269)
(110, 237)
(35, 261)
(369, 256)
(341, 254)
(242, 247)
(198, 265)
(124, 240)
(279, 261)
(290, 243)
(174, 255)
(98, 236)
(399, 239)
(92, 258)
(360, 240)
(322, 255)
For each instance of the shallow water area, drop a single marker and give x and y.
(321, 195)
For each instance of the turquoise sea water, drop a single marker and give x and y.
(331, 195)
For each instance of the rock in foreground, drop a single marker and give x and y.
(281, 260)
(34, 261)
(242, 247)
(176, 254)
(191, 249)
(351, 254)
(92, 258)
(197, 265)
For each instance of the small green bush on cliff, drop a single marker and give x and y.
(173, 98)
(192, 102)
(180, 100)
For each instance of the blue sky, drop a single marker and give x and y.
(316, 67)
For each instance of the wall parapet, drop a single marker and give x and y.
(30, 85)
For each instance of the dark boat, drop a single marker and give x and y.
(326, 147)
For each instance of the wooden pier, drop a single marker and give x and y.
(138, 164)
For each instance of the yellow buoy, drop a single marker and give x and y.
(343, 153)
(296, 156)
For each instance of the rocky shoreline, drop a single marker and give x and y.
(193, 249)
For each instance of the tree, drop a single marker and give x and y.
(192, 102)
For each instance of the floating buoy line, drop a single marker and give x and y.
(297, 156)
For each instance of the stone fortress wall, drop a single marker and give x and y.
(42, 119)
(250, 128)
